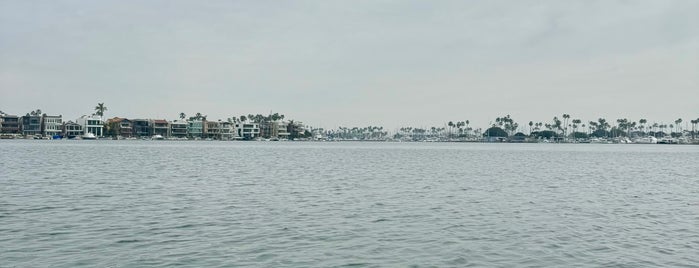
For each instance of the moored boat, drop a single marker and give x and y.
(89, 136)
(646, 140)
(667, 140)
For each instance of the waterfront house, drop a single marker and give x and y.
(227, 130)
(161, 127)
(248, 130)
(72, 129)
(142, 128)
(282, 130)
(296, 129)
(125, 128)
(178, 129)
(212, 130)
(91, 124)
(52, 125)
(31, 125)
(195, 128)
(268, 129)
(274, 129)
(120, 127)
(9, 124)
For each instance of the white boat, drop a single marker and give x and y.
(623, 140)
(599, 140)
(646, 140)
(158, 137)
(89, 136)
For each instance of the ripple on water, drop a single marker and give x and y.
(201, 204)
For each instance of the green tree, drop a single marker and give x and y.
(100, 108)
(547, 134)
(495, 132)
(111, 129)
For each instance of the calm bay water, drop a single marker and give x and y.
(286, 204)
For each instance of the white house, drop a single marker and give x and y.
(92, 124)
(52, 125)
(248, 130)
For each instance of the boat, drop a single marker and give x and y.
(623, 140)
(600, 141)
(646, 140)
(158, 137)
(667, 140)
(89, 136)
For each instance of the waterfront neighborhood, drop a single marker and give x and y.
(38, 125)
(274, 127)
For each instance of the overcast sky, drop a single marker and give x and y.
(330, 63)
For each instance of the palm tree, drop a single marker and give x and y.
(677, 124)
(671, 128)
(654, 126)
(182, 116)
(467, 128)
(643, 125)
(623, 124)
(100, 108)
(662, 129)
(565, 124)
(576, 122)
(557, 124)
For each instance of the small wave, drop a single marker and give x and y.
(124, 241)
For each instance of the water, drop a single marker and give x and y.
(285, 204)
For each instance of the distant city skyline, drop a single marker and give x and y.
(353, 63)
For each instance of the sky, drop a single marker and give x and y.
(353, 63)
